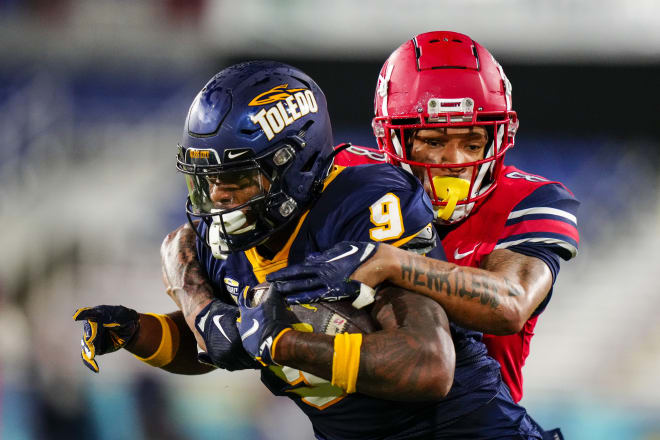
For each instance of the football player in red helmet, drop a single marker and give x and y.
(443, 112)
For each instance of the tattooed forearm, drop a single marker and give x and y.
(311, 352)
(414, 354)
(470, 285)
(412, 358)
(402, 361)
(497, 298)
(186, 280)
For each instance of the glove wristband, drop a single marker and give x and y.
(169, 343)
(346, 361)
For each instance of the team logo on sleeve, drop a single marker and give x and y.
(289, 106)
(231, 285)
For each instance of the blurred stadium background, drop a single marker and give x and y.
(93, 94)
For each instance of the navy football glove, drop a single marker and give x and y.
(106, 329)
(325, 276)
(217, 325)
(261, 324)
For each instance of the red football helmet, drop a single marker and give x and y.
(445, 79)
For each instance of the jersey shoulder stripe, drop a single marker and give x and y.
(546, 216)
(561, 241)
(541, 213)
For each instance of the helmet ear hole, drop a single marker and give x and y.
(303, 130)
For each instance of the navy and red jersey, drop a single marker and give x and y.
(528, 214)
(364, 203)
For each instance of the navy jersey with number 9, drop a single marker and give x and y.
(378, 203)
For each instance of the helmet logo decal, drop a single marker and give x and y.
(506, 84)
(383, 83)
(292, 104)
(277, 93)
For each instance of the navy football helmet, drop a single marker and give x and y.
(256, 148)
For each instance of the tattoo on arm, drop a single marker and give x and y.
(411, 358)
(414, 353)
(312, 352)
(457, 282)
(188, 284)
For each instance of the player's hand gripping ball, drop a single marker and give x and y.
(264, 316)
(325, 276)
(105, 329)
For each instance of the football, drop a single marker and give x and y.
(323, 317)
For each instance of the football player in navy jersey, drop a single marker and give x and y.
(444, 113)
(258, 160)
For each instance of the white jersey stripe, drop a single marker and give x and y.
(569, 247)
(543, 210)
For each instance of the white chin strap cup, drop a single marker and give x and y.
(218, 245)
(234, 224)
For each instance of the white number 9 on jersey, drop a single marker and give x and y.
(386, 215)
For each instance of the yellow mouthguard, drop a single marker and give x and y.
(450, 190)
